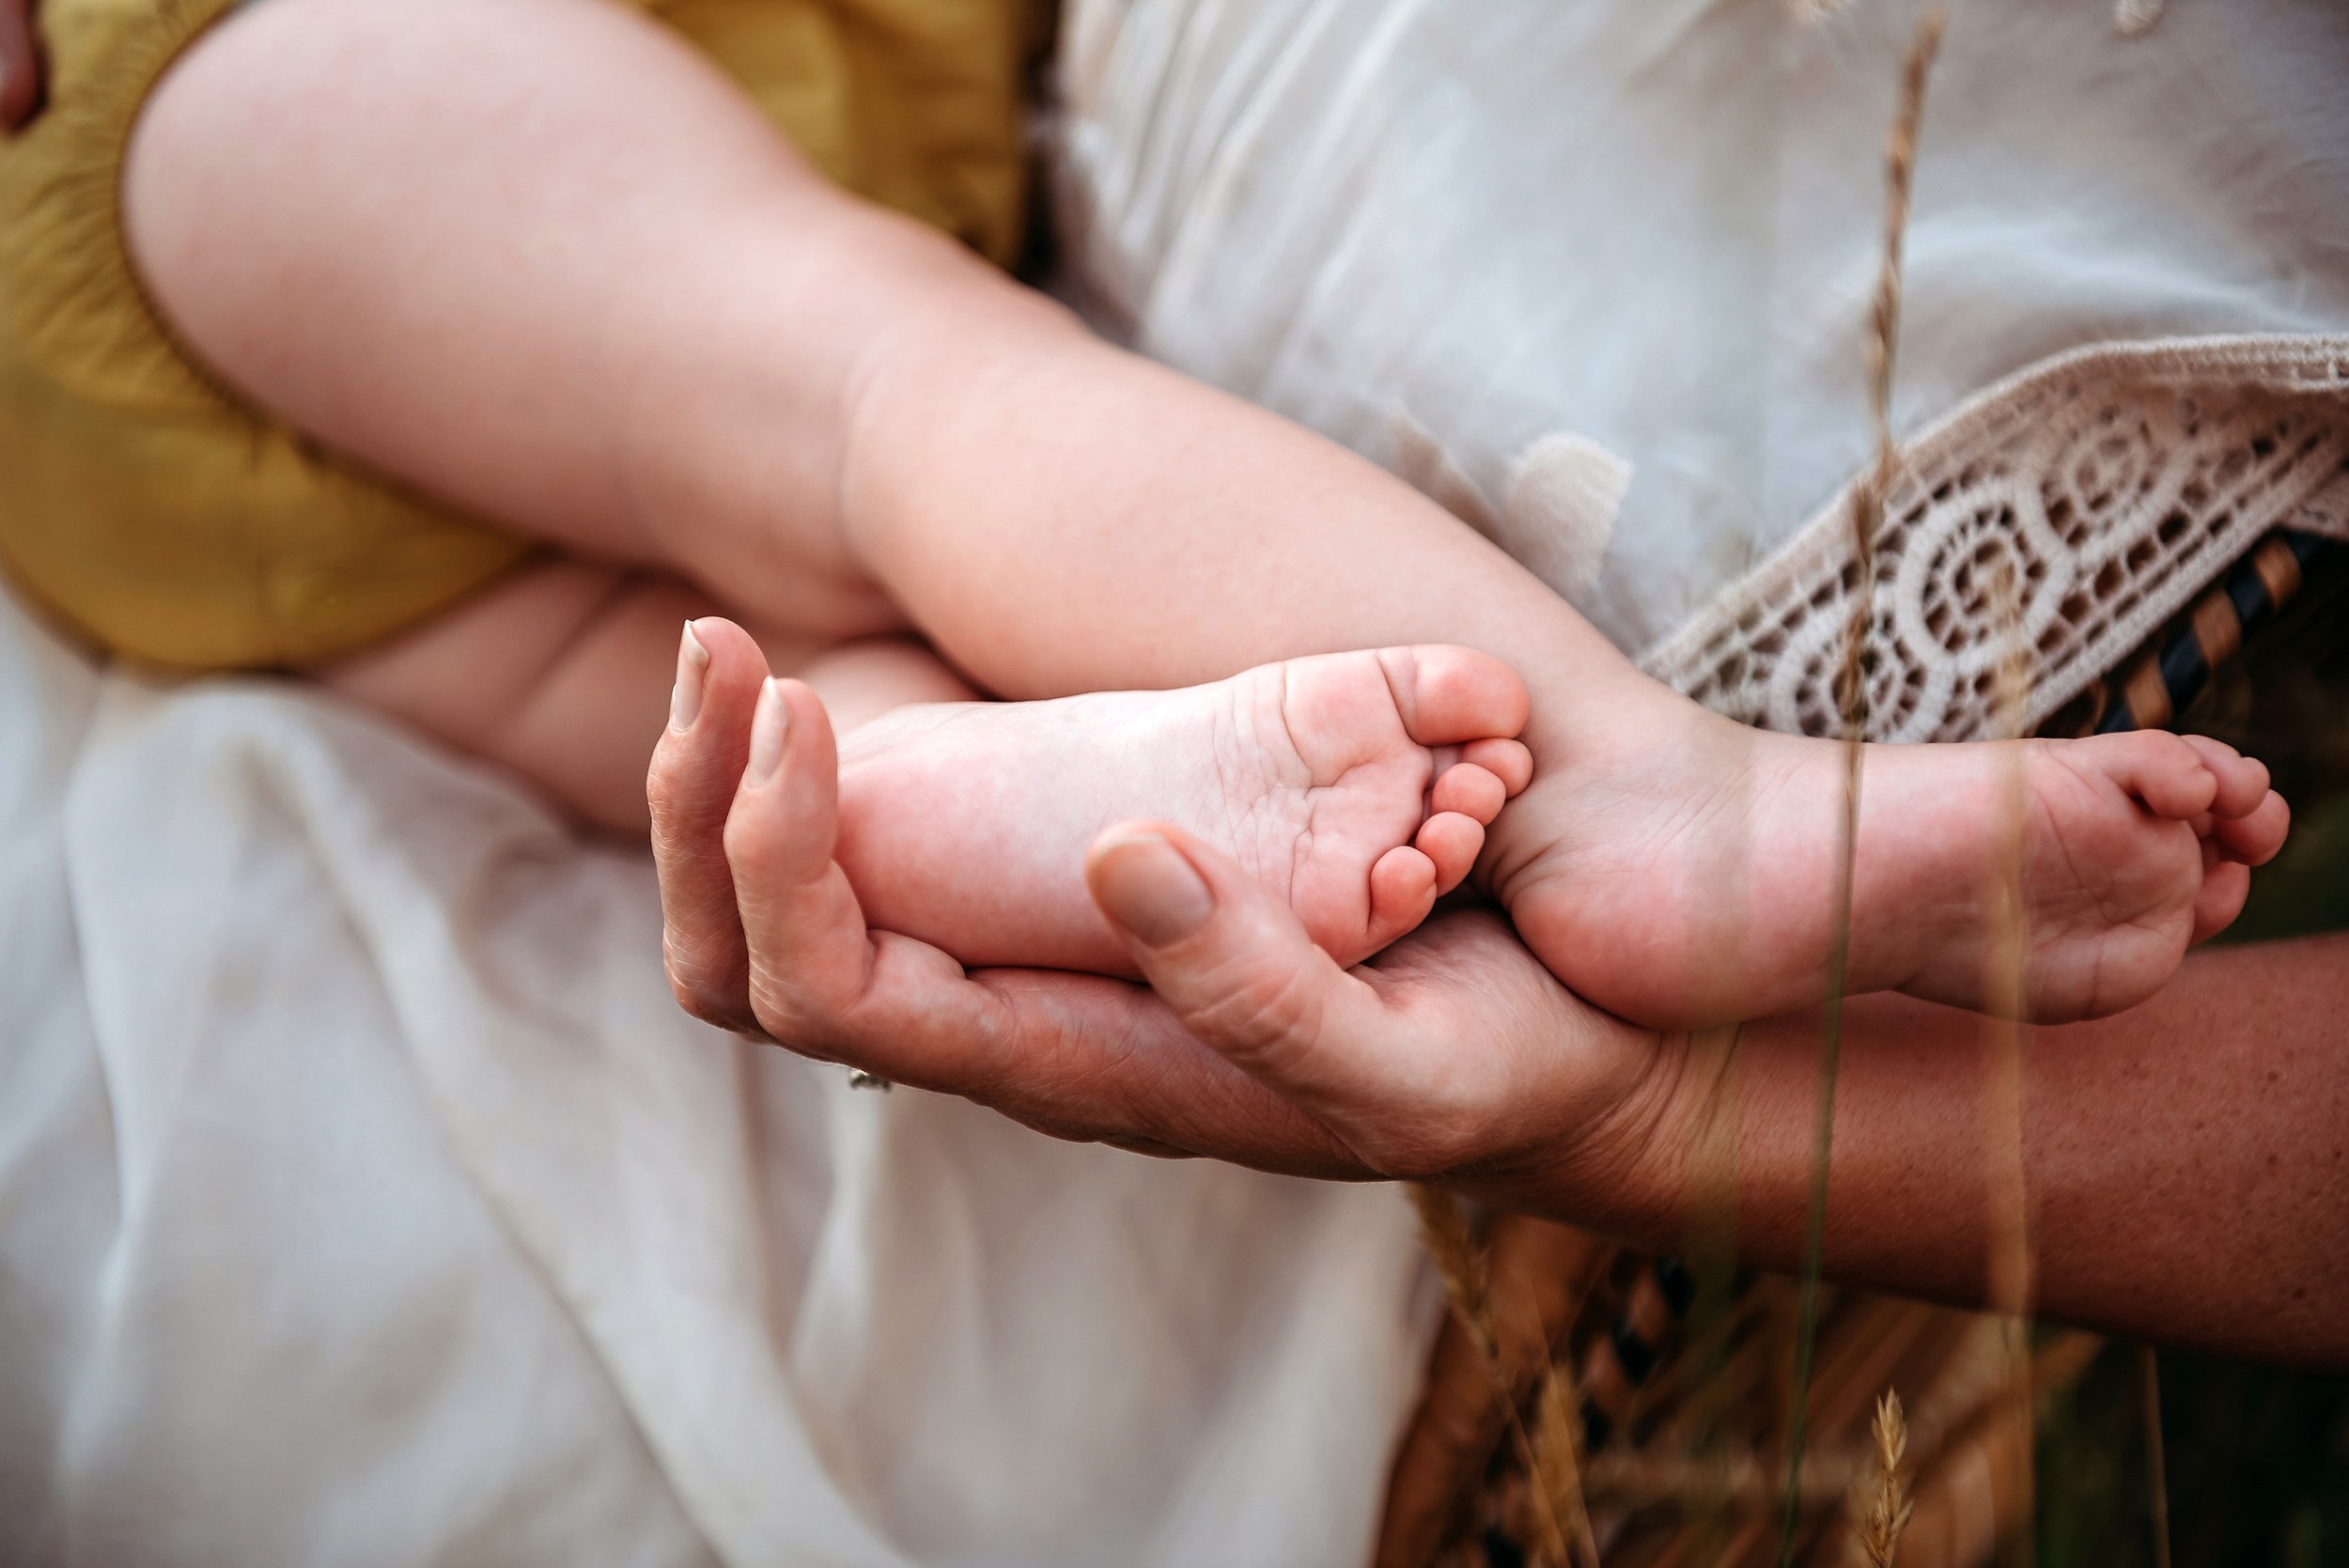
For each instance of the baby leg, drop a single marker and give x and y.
(563, 672)
(1356, 785)
(536, 258)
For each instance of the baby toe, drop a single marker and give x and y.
(1403, 888)
(2158, 769)
(1506, 760)
(2225, 887)
(1450, 840)
(2242, 781)
(1472, 791)
(1448, 694)
(2256, 836)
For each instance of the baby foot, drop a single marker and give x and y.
(1686, 873)
(1355, 785)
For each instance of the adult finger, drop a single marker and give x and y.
(813, 962)
(1237, 967)
(1454, 1048)
(1380, 1056)
(691, 787)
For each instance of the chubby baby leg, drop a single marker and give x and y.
(561, 672)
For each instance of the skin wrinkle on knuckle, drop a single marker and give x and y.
(713, 996)
(699, 1006)
(791, 1002)
(693, 854)
(682, 783)
(751, 847)
(1199, 1114)
(796, 1027)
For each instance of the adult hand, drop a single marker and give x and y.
(2183, 1159)
(20, 64)
(1454, 1053)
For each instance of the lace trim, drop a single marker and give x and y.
(2113, 482)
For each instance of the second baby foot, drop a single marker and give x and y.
(1355, 785)
(1686, 872)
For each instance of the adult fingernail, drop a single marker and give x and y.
(1146, 885)
(685, 697)
(770, 729)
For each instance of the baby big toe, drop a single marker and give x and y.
(1448, 695)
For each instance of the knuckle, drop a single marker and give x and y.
(810, 1025)
(660, 789)
(675, 786)
(719, 1000)
(772, 1007)
(689, 790)
(698, 1002)
(753, 849)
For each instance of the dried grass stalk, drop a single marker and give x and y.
(2156, 1465)
(1884, 333)
(1451, 1239)
(1867, 516)
(1885, 1505)
(2009, 1285)
(1966, 1497)
(1514, 1293)
(1556, 1468)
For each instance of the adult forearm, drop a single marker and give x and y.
(2184, 1167)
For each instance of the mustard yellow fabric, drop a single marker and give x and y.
(150, 510)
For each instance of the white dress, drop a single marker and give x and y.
(1658, 223)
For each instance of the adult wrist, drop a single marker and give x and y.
(1622, 1171)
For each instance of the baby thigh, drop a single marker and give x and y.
(537, 260)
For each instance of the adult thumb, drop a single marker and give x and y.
(1239, 970)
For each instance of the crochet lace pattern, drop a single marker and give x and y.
(2081, 503)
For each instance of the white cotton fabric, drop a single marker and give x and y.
(1656, 224)
(365, 1199)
